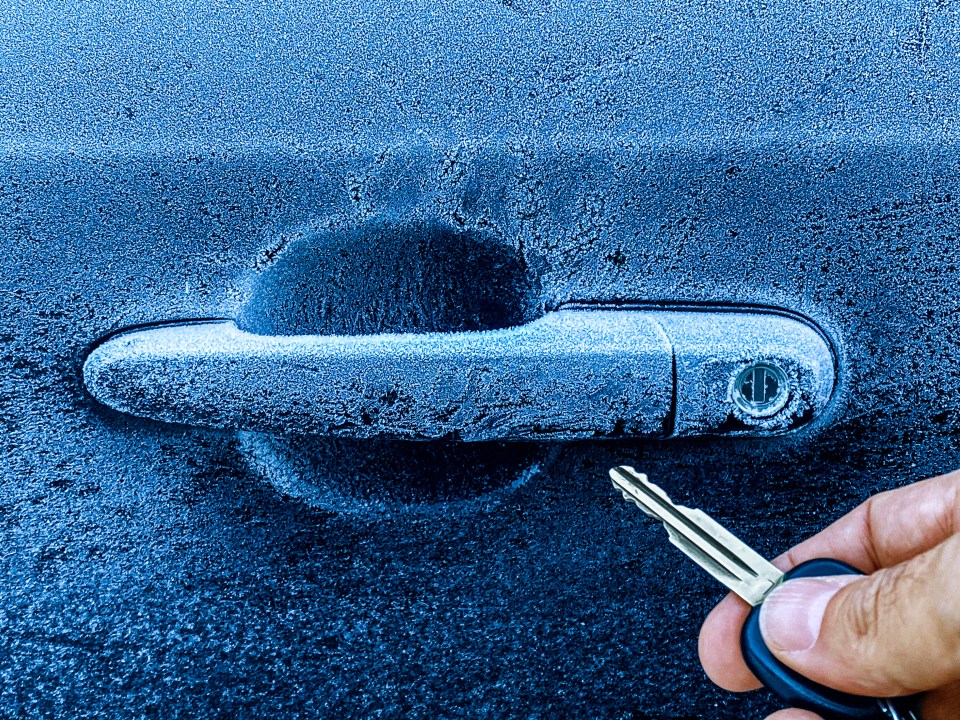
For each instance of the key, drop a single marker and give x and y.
(752, 577)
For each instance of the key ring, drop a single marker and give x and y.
(891, 711)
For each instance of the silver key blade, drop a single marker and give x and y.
(702, 538)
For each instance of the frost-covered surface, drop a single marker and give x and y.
(710, 349)
(164, 161)
(570, 375)
(567, 376)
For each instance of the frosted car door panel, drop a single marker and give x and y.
(356, 171)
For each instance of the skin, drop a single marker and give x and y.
(894, 632)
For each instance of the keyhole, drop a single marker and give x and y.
(761, 389)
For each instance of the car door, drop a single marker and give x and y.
(284, 432)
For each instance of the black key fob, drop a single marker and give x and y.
(799, 692)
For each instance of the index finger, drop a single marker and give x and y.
(887, 528)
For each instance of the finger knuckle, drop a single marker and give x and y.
(880, 607)
(948, 570)
(864, 613)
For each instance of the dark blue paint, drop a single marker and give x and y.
(156, 159)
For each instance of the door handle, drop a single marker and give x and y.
(571, 374)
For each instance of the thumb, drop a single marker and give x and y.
(894, 632)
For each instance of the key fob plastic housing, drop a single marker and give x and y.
(792, 687)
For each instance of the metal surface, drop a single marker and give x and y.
(281, 165)
(569, 375)
(714, 548)
(761, 389)
(891, 711)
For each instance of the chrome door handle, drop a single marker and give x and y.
(572, 374)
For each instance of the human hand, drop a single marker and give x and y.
(895, 631)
